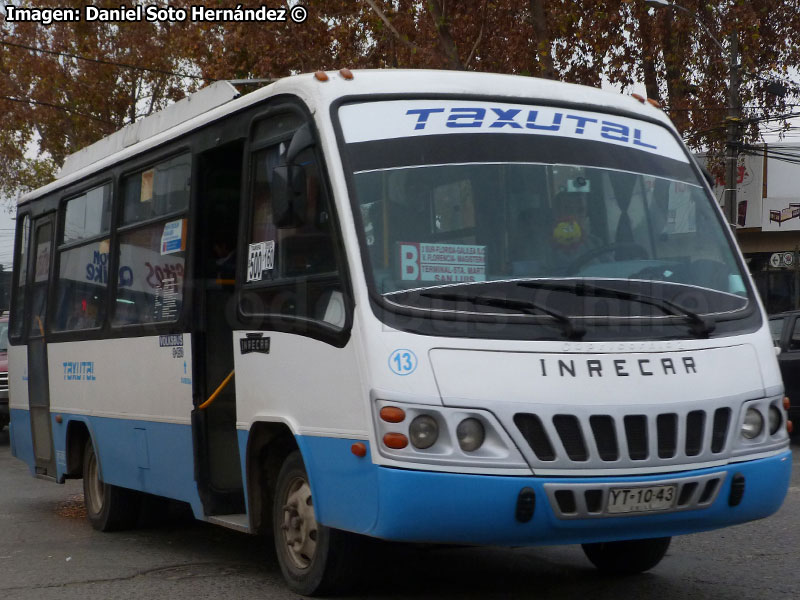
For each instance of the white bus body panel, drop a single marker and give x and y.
(130, 378)
(310, 385)
(468, 378)
(18, 377)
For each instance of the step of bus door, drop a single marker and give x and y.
(238, 522)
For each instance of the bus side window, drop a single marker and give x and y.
(83, 269)
(152, 256)
(291, 271)
(18, 312)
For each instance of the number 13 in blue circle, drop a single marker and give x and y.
(403, 362)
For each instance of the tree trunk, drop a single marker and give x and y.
(544, 57)
(446, 42)
(649, 53)
(673, 48)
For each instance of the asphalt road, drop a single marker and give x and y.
(49, 550)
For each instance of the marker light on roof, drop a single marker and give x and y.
(638, 97)
(346, 73)
(321, 76)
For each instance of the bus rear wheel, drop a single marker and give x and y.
(108, 507)
(314, 559)
(627, 557)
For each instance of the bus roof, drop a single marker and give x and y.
(221, 98)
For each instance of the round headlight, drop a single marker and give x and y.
(470, 434)
(423, 432)
(753, 424)
(775, 419)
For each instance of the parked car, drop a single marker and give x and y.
(4, 414)
(785, 329)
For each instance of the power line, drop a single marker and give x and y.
(102, 61)
(56, 106)
(721, 108)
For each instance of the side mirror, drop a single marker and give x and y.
(301, 140)
(288, 187)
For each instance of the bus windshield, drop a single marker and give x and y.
(479, 199)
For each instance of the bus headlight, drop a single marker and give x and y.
(470, 434)
(423, 432)
(775, 419)
(753, 424)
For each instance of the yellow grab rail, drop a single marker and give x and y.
(217, 392)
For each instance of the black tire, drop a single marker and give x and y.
(314, 559)
(108, 507)
(627, 557)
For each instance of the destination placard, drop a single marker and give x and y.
(447, 263)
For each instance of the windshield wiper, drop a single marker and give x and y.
(698, 326)
(572, 330)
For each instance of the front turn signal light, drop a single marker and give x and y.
(395, 441)
(392, 414)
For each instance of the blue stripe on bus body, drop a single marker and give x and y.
(421, 506)
(353, 494)
(344, 486)
(21, 440)
(243, 436)
(152, 457)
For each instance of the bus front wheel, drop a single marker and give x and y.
(314, 559)
(108, 507)
(627, 557)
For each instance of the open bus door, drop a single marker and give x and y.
(38, 379)
(218, 468)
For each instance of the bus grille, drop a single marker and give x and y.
(4, 381)
(574, 441)
(589, 500)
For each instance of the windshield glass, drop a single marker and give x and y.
(459, 194)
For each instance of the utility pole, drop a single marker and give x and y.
(733, 132)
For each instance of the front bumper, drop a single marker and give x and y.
(357, 495)
(479, 509)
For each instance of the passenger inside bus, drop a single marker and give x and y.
(571, 236)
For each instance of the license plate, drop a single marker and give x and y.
(640, 499)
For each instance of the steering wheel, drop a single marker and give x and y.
(635, 250)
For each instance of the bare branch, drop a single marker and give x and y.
(377, 10)
(480, 35)
(446, 41)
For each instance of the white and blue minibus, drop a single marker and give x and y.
(409, 305)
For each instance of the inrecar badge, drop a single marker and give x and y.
(254, 342)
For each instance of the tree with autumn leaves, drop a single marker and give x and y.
(64, 86)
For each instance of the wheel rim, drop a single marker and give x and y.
(299, 525)
(94, 490)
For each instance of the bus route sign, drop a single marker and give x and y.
(447, 263)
